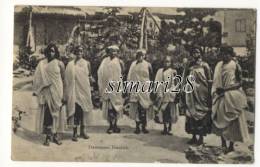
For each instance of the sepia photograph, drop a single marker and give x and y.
(133, 84)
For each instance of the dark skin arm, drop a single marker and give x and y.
(122, 67)
(91, 79)
(238, 73)
(150, 71)
(208, 74)
(185, 71)
(207, 71)
(62, 72)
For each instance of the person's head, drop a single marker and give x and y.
(184, 60)
(226, 53)
(112, 51)
(168, 61)
(197, 56)
(235, 59)
(198, 60)
(51, 51)
(81, 23)
(140, 54)
(79, 51)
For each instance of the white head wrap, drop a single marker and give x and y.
(113, 47)
(142, 51)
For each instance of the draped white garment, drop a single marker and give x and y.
(166, 76)
(77, 86)
(198, 100)
(139, 72)
(110, 71)
(228, 109)
(48, 86)
(167, 97)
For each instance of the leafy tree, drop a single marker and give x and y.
(191, 30)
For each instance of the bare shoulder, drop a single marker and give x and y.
(61, 64)
(43, 61)
(148, 63)
(205, 64)
(85, 61)
(174, 70)
(121, 62)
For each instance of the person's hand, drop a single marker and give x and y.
(92, 80)
(159, 98)
(64, 101)
(220, 91)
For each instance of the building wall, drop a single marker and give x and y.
(45, 29)
(228, 19)
(237, 24)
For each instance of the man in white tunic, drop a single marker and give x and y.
(166, 95)
(229, 101)
(78, 93)
(140, 103)
(110, 71)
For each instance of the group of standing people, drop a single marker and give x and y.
(216, 104)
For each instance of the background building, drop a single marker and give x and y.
(237, 25)
(49, 24)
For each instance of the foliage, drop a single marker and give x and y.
(248, 62)
(24, 59)
(191, 30)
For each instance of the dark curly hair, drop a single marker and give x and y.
(47, 51)
(195, 55)
(76, 49)
(225, 49)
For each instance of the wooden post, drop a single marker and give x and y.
(145, 34)
(157, 25)
(141, 42)
(30, 41)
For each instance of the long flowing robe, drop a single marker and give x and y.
(167, 98)
(78, 89)
(198, 100)
(110, 71)
(48, 86)
(228, 110)
(139, 72)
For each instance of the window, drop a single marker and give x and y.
(241, 25)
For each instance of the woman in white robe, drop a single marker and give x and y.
(229, 101)
(140, 102)
(110, 70)
(78, 93)
(165, 95)
(48, 87)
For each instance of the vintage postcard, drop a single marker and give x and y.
(133, 84)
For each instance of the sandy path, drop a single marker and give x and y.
(123, 147)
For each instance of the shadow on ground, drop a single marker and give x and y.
(155, 139)
(29, 135)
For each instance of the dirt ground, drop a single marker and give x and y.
(101, 147)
